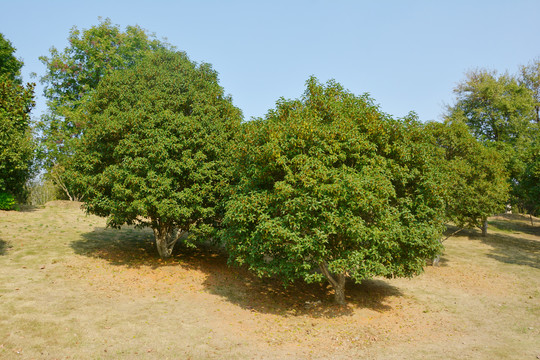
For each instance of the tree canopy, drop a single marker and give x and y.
(501, 112)
(496, 108)
(530, 78)
(528, 184)
(10, 66)
(475, 175)
(16, 142)
(72, 75)
(155, 152)
(331, 187)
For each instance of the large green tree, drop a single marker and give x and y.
(496, 107)
(475, 175)
(72, 75)
(331, 188)
(16, 142)
(501, 113)
(156, 149)
(530, 78)
(10, 66)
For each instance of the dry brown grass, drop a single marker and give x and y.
(71, 289)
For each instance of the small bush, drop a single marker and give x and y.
(7, 201)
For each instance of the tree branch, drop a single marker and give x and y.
(452, 234)
(324, 268)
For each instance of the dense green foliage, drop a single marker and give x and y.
(10, 66)
(496, 108)
(501, 112)
(71, 77)
(476, 179)
(156, 148)
(16, 143)
(530, 78)
(7, 201)
(331, 184)
(528, 184)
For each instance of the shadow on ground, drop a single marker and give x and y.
(134, 248)
(28, 208)
(510, 247)
(127, 246)
(516, 223)
(513, 249)
(4, 246)
(240, 287)
(509, 237)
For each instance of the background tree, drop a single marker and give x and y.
(155, 151)
(477, 185)
(71, 76)
(500, 113)
(530, 78)
(16, 143)
(10, 66)
(331, 188)
(528, 184)
(496, 108)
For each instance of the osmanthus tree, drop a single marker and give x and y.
(73, 74)
(331, 188)
(155, 152)
(16, 142)
(476, 179)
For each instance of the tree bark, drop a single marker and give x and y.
(484, 226)
(338, 283)
(166, 236)
(339, 289)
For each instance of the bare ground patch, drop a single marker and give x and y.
(69, 288)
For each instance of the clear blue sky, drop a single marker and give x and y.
(408, 55)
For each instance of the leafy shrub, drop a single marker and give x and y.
(7, 201)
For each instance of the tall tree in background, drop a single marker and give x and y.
(499, 111)
(530, 77)
(332, 188)
(10, 66)
(16, 142)
(527, 187)
(157, 151)
(72, 75)
(496, 108)
(477, 185)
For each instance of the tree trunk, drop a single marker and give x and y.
(166, 237)
(484, 226)
(339, 289)
(338, 283)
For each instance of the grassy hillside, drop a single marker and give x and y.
(72, 289)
